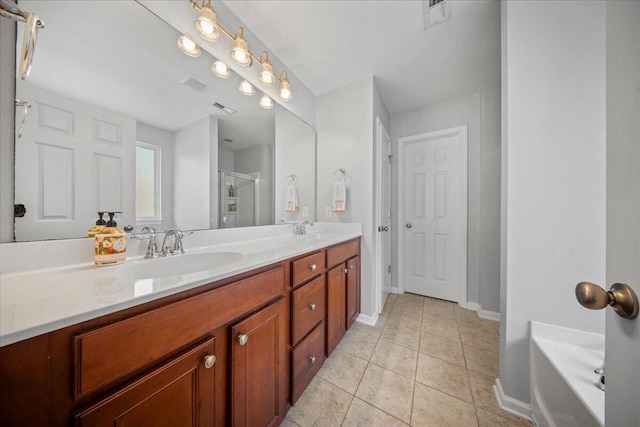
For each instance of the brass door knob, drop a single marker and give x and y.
(209, 361)
(242, 339)
(620, 296)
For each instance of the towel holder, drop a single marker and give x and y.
(340, 175)
(25, 109)
(292, 179)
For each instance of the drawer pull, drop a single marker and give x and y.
(313, 267)
(345, 271)
(242, 339)
(209, 361)
(312, 359)
(312, 306)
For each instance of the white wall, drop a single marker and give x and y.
(346, 139)
(226, 160)
(165, 139)
(481, 113)
(295, 155)
(196, 175)
(554, 188)
(7, 91)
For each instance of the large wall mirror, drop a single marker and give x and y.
(121, 120)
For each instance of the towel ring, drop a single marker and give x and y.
(292, 179)
(340, 175)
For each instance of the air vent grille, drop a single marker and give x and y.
(194, 83)
(223, 108)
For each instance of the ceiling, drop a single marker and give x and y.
(125, 59)
(329, 44)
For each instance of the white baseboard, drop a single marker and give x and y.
(509, 404)
(395, 290)
(367, 320)
(485, 314)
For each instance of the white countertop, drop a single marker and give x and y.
(41, 301)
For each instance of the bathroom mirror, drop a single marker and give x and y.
(121, 120)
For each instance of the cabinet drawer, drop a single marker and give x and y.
(164, 397)
(309, 302)
(114, 351)
(342, 252)
(307, 358)
(307, 267)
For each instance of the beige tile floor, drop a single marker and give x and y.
(426, 362)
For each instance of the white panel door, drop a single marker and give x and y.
(433, 215)
(622, 398)
(72, 160)
(383, 214)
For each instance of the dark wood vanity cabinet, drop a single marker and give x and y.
(258, 367)
(233, 352)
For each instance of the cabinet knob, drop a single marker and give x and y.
(312, 306)
(345, 270)
(209, 361)
(312, 359)
(313, 267)
(242, 339)
(352, 266)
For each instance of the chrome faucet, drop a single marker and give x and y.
(175, 237)
(152, 248)
(300, 228)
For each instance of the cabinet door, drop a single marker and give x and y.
(258, 367)
(178, 393)
(353, 291)
(336, 311)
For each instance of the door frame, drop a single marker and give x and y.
(379, 278)
(461, 131)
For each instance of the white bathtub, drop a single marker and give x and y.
(562, 378)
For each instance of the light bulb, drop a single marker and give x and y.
(266, 102)
(240, 51)
(188, 46)
(220, 69)
(266, 75)
(207, 24)
(246, 88)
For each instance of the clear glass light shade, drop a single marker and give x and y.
(240, 51)
(266, 102)
(266, 75)
(207, 27)
(246, 88)
(285, 91)
(188, 46)
(220, 69)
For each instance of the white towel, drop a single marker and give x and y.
(292, 198)
(339, 197)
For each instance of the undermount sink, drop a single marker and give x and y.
(179, 265)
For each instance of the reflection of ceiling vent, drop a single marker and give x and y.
(435, 12)
(223, 108)
(195, 84)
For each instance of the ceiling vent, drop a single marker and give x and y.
(223, 108)
(195, 84)
(436, 12)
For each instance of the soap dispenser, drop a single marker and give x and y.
(111, 243)
(100, 225)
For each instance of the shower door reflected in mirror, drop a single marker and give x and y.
(239, 199)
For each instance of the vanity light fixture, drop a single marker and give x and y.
(266, 75)
(240, 52)
(207, 22)
(188, 46)
(285, 88)
(266, 102)
(220, 69)
(246, 88)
